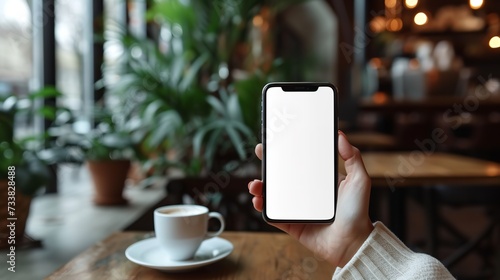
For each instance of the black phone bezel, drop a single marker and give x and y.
(298, 86)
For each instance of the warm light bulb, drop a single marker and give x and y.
(494, 42)
(395, 24)
(258, 20)
(410, 4)
(390, 3)
(377, 24)
(380, 97)
(475, 4)
(420, 18)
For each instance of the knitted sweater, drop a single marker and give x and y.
(384, 256)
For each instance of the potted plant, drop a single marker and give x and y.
(195, 115)
(22, 172)
(197, 106)
(106, 149)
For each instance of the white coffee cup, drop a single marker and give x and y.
(180, 229)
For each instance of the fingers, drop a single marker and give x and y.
(255, 188)
(257, 203)
(259, 151)
(352, 157)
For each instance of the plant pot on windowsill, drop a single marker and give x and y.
(108, 160)
(106, 149)
(108, 177)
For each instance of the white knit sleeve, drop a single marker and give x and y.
(384, 256)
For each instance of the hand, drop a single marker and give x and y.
(337, 242)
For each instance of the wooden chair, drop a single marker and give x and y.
(482, 140)
(484, 244)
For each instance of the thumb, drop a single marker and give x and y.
(351, 156)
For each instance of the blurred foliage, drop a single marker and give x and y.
(178, 90)
(72, 141)
(31, 172)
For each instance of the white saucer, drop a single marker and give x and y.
(148, 253)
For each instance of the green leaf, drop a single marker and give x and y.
(236, 140)
(233, 108)
(249, 96)
(172, 11)
(46, 92)
(9, 104)
(192, 72)
(116, 141)
(211, 147)
(216, 104)
(32, 174)
(151, 110)
(200, 134)
(168, 123)
(176, 70)
(195, 166)
(243, 128)
(47, 112)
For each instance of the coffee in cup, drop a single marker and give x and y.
(180, 229)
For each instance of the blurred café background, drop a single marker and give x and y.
(162, 97)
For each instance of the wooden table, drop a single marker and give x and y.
(415, 168)
(399, 170)
(255, 256)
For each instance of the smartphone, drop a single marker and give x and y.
(299, 168)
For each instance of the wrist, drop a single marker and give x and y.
(353, 244)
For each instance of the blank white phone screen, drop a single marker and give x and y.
(300, 154)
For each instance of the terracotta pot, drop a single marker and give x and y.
(22, 208)
(109, 180)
